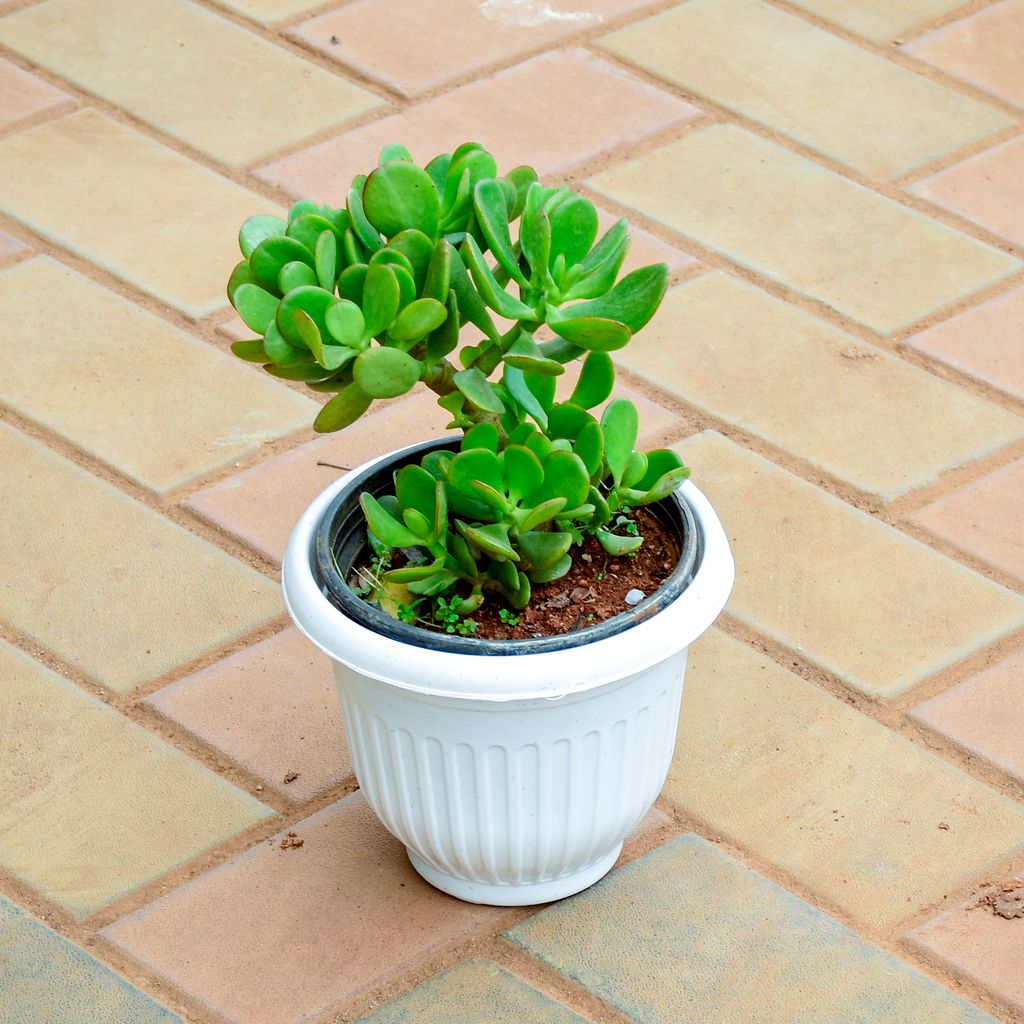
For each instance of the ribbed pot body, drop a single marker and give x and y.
(503, 802)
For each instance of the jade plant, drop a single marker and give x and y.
(482, 288)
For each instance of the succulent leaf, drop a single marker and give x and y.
(255, 306)
(619, 424)
(573, 230)
(251, 350)
(475, 386)
(490, 204)
(596, 380)
(257, 229)
(343, 409)
(386, 372)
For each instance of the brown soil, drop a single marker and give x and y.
(593, 590)
(1007, 901)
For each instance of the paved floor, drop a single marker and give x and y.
(839, 190)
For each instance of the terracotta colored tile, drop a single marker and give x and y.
(22, 94)
(187, 72)
(471, 993)
(600, 107)
(850, 593)
(48, 980)
(983, 49)
(982, 714)
(385, 38)
(780, 215)
(981, 944)
(796, 78)
(821, 791)
(878, 422)
(148, 215)
(689, 934)
(879, 20)
(110, 586)
(275, 936)
(984, 519)
(260, 506)
(9, 246)
(95, 805)
(224, 409)
(272, 708)
(267, 12)
(986, 342)
(987, 189)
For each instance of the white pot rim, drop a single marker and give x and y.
(549, 675)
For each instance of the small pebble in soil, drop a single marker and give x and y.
(634, 597)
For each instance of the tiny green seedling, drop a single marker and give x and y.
(509, 618)
(402, 286)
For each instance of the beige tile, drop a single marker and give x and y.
(984, 519)
(849, 593)
(818, 789)
(987, 189)
(273, 708)
(136, 208)
(114, 589)
(781, 215)
(95, 805)
(982, 714)
(22, 94)
(986, 342)
(798, 79)
(879, 20)
(975, 941)
(384, 39)
(983, 49)
(267, 12)
(278, 936)
(874, 421)
(196, 76)
(9, 246)
(155, 403)
(260, 506)
(600, 108)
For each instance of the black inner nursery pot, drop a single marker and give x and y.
(341, 543)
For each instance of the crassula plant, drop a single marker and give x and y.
(452, 277)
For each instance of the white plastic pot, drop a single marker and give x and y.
(511, 780)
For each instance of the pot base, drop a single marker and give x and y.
(515, 895)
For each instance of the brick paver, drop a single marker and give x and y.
(860, 823)
(827, 94)
(835, 585)
(47, 980)
(689, 934)
(850, 409)
(848, 177)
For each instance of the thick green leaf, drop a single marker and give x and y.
(406, 285)
(616, 545)
(596, 380)
(280, 352)
(394, 151)
(417, 320)
(343, 409)
(308, 228)
(239, 276)
(330, 357)
(258, 229)
(251, 350)
(520, 178)
(470, 163)
(445, 339)
(345, 324)
(437, 279)
(543, 513)
(272, 254)
(475, 464)
(309, 373)
(483, 435)
(475, 386)
(659, 462)
(589, 446)
(490, 205)
(381, 296)
(326, 258)
(401, 195)
(385, 527)
(567, 420)
(255, 306)
(416, 488)
(438, 170)
(573, 230)
(619, 423)
(523, 471)
(315, 301)
(367, 234)
(598, 270)
(386, 372)
(636, 467)
(295, 275)
(535, 230)
(418, 249)
(352, 249)
(492, 538)
(552, 572)
(525, 354)
(666, 484)
(492, 293)
(565, 476)
(352, 282)
(471, 306)
(516, 382)
(593, 333)
(560, 350)
(632, 301)
(543, 548)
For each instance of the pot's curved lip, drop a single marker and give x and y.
(547, 675)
